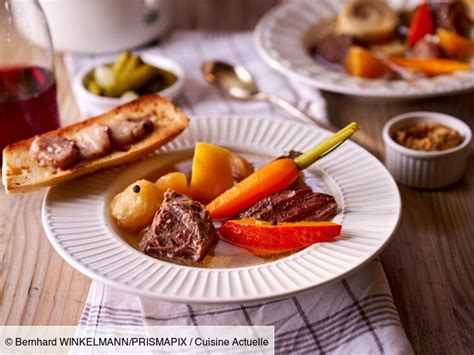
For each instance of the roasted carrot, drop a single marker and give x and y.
(273, 177)
(453, 44)
(363, 63)
(435, 66)
(263, 238)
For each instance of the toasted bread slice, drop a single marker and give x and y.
(22, 173)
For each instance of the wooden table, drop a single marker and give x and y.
(428, 264)
(36, 285)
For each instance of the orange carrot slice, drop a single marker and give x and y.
(271, 178)
(430, 67)
(453, 44)
(263, 238)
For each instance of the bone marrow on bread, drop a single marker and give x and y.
(56, 152)
(129, 130)
(91, 142)
(124, 134)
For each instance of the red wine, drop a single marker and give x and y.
(28, 103)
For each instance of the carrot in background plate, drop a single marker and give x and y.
(435, 66)
(453, 44)
(362, 63)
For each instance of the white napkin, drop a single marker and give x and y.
(352, 316)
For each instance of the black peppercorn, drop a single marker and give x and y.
(136, 188)
(274, 222)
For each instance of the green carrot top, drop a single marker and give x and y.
(307, 159)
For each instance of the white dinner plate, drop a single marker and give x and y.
(76, 219)
(284, 35)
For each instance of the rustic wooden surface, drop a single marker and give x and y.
(37, 287)
(428, 264)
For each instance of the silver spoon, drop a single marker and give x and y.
(239, 83)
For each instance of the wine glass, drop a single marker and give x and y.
(28, 103)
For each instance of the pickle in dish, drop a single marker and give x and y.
(128, 78)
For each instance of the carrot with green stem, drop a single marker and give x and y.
(273, 177)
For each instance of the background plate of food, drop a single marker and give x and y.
(394, 49)
(96, 222)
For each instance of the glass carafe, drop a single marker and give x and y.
(28, 103)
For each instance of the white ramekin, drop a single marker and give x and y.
(422, 169)
(92, 104)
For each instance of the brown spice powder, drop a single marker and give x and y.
(428, 137)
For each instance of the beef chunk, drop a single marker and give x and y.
(452, 15)
(334, 48)
(93, 141)
(129, 130)
(56, 152)
(182, 230)
(293, 206)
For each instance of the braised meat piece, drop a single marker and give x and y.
(93, 141)
(293, 206)
(56, 152)
(452, 15)
(334, 48)
(129, 130)
(181, 230)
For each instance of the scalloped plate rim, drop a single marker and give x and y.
(230, 300)
(273, 62)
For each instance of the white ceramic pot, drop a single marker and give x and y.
(422, 169)
(100, 26)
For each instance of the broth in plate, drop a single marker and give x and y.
(223, 254)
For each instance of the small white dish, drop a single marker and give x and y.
(96, 104)
(76, 219)
(284, 35)
(420, 169)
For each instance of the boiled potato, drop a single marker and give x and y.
(211, 172)
(175, 181)
(134, 207)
